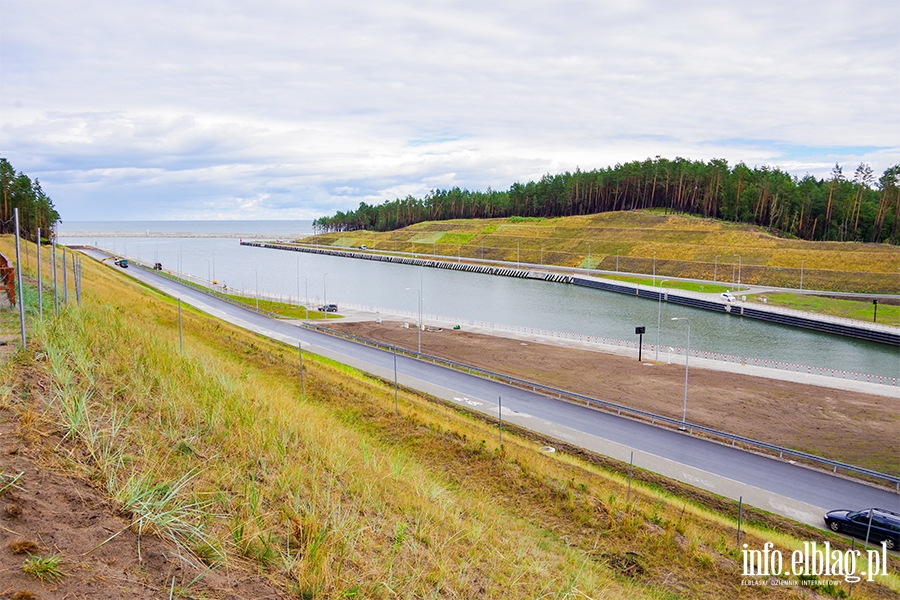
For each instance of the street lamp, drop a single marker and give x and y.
(716, 268)
(654, 266)
(325, 289)
(419, 323)
(801, 274)
(658, 315)
(739, 271)
(687, 355)
(306, 297)
(257, 288)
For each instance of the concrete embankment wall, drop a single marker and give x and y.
(421, 262)
(825, 325)
(844, 329)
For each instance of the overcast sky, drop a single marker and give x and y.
(267, 110)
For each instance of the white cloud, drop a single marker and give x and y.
(168, 109)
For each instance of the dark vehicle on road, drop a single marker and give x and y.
(122, 262)
(328, 308)
(885, 525)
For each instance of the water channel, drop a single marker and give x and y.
(528, 303)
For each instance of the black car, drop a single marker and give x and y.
(885, 525)
(328, 308)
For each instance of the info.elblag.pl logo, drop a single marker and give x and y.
(820, 560)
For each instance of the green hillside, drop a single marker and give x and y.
(684, 246)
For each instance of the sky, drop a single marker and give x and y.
(295, 109)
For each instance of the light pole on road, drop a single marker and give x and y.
(419, 322)
(658, 315)
(687, 355)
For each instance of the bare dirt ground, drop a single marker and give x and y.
(51, 514)
(855, 428)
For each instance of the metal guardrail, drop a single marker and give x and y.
(206, 290)
(620, 409)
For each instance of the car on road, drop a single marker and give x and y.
(122, 262)
(727, 297)
(885, 525)
(328, 308)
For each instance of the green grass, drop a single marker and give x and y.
(334, 494)
(693, 286)
(9, 481)
(285, 310)
(45, 568)
(862, 310)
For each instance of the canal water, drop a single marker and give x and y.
(523, 302)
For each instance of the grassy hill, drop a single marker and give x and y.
(331, 492)
(684, 246)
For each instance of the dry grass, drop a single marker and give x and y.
(334, 495)
(684, 246)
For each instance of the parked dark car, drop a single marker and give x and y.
(328, 308)
(885, 525)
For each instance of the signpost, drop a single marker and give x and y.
(639, 331)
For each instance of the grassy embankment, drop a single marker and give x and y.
(329, 492)
(688, 247)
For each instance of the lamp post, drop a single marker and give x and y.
(257, 288)
(716, 268)
(739, 272)
(306, 297)
(589, 256)
(419, 322)
(687, 355)
(325, 289)
(617, 259)
(654, 266)
(542, 256)
(801, 274)
(658, 315)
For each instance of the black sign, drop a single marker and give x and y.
(640, 330)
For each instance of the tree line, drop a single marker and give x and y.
(35, 207)
(841, 207)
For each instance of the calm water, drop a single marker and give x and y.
(469, 295)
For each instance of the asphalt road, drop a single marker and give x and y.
(777, 485)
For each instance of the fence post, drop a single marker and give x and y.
(65, 275)
(21, 293)
(39, 286)
(500, 414)
(55, 283)
(180, 334)
(302, 382)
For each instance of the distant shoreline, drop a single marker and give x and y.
(170, 234)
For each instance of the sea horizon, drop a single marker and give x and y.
(186, 228)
